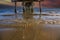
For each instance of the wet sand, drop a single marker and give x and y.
(30, 30)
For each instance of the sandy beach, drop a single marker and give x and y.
(29, 29)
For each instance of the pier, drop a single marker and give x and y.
(27, 6)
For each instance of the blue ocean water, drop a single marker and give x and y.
(36, 10)
(11, 10)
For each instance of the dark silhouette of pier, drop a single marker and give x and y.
(27, 6)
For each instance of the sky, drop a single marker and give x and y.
(6, 0)
(52, 3)
(45, 3)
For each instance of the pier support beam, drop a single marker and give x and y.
(40, 8)
(16, 10)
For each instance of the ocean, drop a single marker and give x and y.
(10, 11)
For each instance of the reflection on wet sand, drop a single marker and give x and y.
(29, 28)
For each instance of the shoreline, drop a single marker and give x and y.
(25, 23)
